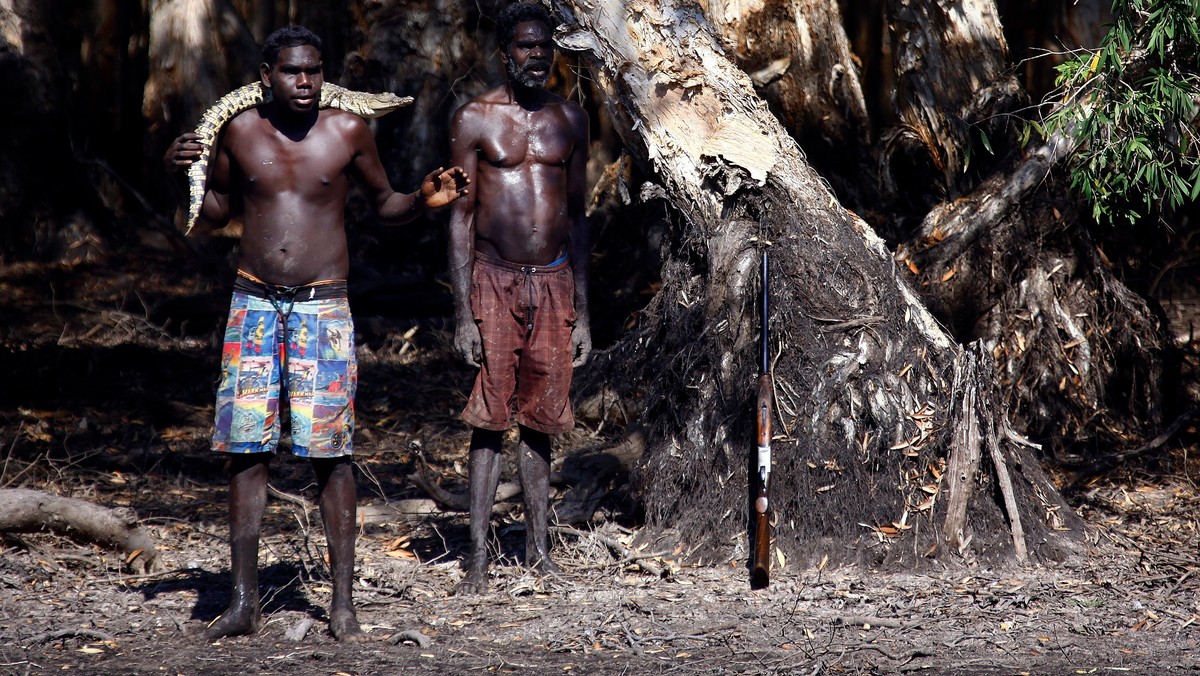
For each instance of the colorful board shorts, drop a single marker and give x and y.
(525, 316)
(301, 342)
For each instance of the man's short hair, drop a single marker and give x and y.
(518, 12)
(289, 36)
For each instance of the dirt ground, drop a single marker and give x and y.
(110, 370)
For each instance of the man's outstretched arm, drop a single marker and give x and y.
(438, 189)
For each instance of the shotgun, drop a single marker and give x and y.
(760, 563)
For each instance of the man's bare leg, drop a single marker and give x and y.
(247, 499)
(335, 481)
(533, 466)
(484, 474)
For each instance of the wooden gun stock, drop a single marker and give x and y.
(760, 564)
(760, 560)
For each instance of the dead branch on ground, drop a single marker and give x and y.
(26, 511)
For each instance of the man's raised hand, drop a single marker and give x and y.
(442, 186)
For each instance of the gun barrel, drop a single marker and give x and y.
(765, 364)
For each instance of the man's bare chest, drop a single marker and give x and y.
(532, 140)
(266, 169)
(269, 162)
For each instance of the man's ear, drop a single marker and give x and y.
(264, 73)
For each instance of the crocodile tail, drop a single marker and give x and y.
(211, 123)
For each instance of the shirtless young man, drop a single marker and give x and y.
(285, 168)
(519, 247)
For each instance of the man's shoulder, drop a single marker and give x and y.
(480, 107)
(492, 97)
(571, 107)
(245, 118)
(340, 118)
(573, 113)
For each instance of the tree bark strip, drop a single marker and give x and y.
(950, 63)
(798, 55)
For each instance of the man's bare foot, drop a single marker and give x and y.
(473, 584)
(543, 564)
(235, 621)
(343, 624)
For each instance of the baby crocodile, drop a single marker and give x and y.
(254, 94)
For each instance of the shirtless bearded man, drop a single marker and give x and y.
(285, 168)
(518, 262)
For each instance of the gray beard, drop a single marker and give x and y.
(525, 78)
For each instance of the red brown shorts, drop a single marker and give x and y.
(525, 315)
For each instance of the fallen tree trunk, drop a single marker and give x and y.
(27, 511)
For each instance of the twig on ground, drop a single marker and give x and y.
(298, 500)
(1108, 462)
(455, 502)
(413, 635)
(8, 455)
(628, 556)
(141, 578)
(300, 630)
(860, 620)
(69, 633)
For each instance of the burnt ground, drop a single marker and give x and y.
(110, 371)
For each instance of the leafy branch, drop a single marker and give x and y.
(1132, 108)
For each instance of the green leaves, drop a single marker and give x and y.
(1132, 108)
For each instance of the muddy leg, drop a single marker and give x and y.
(247, 499)
(485, 476)
(335, 481)
(533, 465)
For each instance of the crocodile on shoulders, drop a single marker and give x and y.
(243, 98)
